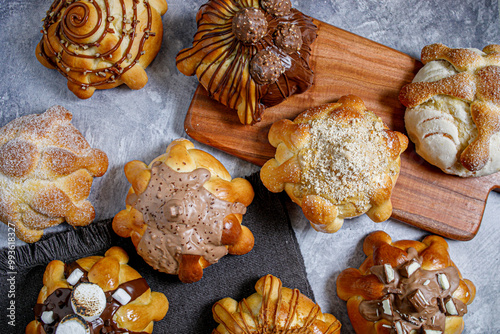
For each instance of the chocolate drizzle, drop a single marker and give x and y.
(414, 302)
(182, 217)
(68, 18)
(59, 302)
(222, 61)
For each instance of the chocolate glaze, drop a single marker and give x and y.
(416, 302)
(59, 302)
(182, 218)
(297, 78)
(73, 14)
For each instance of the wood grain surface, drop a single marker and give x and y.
(345, 63)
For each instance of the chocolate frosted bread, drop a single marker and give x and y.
(184, 212)
(404, 287)
(250, 55)
(94, 295)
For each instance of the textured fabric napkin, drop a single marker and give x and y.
(275, 252)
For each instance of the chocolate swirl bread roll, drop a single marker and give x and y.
(404, 287)
(250, 54)
(273, 309)
(101, 44)
(46, 172)
(95, 295)
(184, 212)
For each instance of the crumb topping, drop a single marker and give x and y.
(345, 161)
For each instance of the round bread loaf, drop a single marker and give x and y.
(128, 305)
(405, 286)
(336, 161)
(184, 212)
(453, 109)
(101, 44)
(46, 172)
(273, 309)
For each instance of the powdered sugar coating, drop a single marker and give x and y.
(46, 172)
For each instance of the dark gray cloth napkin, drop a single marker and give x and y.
(275, 252)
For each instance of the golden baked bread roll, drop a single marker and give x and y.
(405, 286)
(250, 54)
(101, 44)
(336, 161)
(184, 212)
(46, 172)
(273, 309)
(129, 304)
(453, 109)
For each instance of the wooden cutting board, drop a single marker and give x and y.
(345, 63)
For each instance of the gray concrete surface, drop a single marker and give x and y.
(139, 125)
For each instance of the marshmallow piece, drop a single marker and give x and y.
(75, 276)
(88, 300)
(122, 296)
(72, 324)
(47, 317)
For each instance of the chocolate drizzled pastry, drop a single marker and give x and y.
(101, 44)
(129, 307)
(405, 286)
(184, 212)
(273, 309)
(231, 35)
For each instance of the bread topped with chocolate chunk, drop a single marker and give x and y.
(405, 286)
(46, 172)
(101, 44)
(184, 212)
(95, 295)
(336, 161)
(453, 109)
(250, 55)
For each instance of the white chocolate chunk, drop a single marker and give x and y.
(72, 324)
(122, 296)
(88, 300)
(47, 317)
(413, 267)
(399, 328)
(75, 276)
(386, 305)
(451, 308)
(389, 273)
(432, 331)
(443, 281)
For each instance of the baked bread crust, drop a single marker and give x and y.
(318, 171)
(453, 114)
(183, 257)
(273, 309)
(95, 46)
(109, 272)
(358, 285)
(46, 172)
(250, 55)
